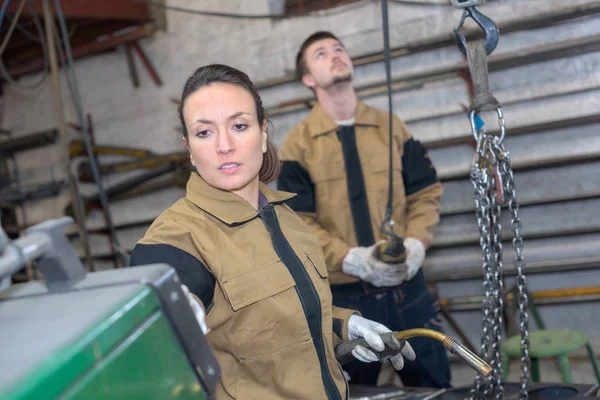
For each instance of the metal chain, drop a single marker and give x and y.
(517, 243)
(493, 182)
(481, 185)
(498, 284)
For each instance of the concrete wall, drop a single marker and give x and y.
(534, 93)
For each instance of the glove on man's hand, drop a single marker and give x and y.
(415, 255)
(359, 327)
(360, 262)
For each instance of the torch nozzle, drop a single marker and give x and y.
(453, 346)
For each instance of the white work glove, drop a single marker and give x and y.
(197, 308)
(360, 262)
(415, 255)
(359, 327)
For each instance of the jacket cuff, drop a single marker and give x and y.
(341, 316)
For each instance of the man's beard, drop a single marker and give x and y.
(342, 79)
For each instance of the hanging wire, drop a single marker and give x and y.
(44, 75)
(12, 26)
(387, 225)
(31, 36)
(3, 11)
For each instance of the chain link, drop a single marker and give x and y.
(492, 179)
(498, 293)
(517, 242)
(481, 186)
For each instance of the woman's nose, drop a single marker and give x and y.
(225, 143)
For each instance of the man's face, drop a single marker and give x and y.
(328, 64)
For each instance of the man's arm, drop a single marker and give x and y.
(423, 192)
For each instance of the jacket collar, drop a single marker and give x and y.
(319, 123)
(226, 206)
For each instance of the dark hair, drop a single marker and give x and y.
(218, 73)
(301, 68)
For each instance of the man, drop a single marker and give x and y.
(336, 160)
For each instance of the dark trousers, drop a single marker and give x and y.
(403, 307)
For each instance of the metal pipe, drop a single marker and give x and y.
(543, 297)
(23, 250)
(533, 267)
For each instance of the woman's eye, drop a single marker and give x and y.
(240, 127)
(203, 134)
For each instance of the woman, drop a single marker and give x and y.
(248, 258)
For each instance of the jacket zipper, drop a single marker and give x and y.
(271, 210)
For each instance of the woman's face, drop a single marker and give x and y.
(225, 139)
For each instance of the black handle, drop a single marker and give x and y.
(391, 251)
(343, 351)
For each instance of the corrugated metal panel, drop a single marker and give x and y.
(369, 74)
(582, 103)
(568, 182)
(455, 161)
(579, 216)
(464, 262)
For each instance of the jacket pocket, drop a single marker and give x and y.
(382, 163)
(331, 190)
(261, 283)
(290, 373)
(326, 171)
(317, 260)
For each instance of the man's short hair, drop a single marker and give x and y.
(301, 68)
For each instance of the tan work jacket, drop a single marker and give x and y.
(314, 167)
(271, 325)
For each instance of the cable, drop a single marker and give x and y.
(247, 16)
(32, 37)
(12, 26)
(386, 51)
(3, 11)
(10, 79)
(74, 90)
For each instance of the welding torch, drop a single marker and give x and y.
(343, 351)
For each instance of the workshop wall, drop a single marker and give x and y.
(537, 89)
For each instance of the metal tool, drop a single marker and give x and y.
(343, 351)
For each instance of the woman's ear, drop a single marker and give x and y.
(187, 146)
(264, 136)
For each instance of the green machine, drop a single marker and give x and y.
(118, 334)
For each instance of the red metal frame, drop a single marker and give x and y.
(147, 64)
(101, 9)
(87, 49)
